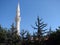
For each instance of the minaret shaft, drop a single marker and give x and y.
(18, 19)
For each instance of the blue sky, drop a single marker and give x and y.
(49, 10)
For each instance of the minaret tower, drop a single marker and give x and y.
(18, 19)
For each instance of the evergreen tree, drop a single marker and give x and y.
(13, 38)
(49, 32)
(23, 32)
(28, 38)
(40, 25)
(3, 36)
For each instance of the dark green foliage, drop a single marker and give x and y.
(28, 38)
(49, 32)
(23, 32)
(15, 39)
(3, 36)
(40, 25)
(54, 38)
(23, 41)
(10, 37)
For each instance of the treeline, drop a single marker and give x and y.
(41, 37)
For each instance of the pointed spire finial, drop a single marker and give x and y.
(18, 7)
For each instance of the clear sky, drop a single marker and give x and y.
(49, 10)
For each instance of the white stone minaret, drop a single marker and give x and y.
(18, 19)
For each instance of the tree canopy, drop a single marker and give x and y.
(10, 37)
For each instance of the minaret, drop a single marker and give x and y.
(18, 19)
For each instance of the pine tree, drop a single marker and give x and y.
(13, 38)
(3, 35)
(40, 25)
(50, 31)
(23, 32)
(28, 38)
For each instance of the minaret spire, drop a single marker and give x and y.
(18, 19)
